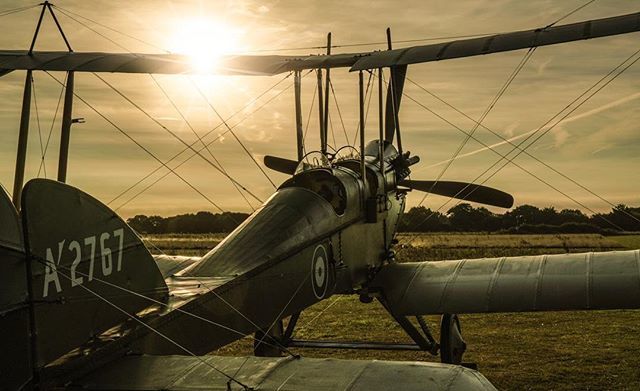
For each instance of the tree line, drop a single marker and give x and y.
(460, 218)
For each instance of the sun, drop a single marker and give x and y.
(205, 41)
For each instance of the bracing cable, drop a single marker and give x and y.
(193, 155)
(188, 123)
(233, 133)
(153, 330)
(145, 149)
(508, 141)
(594, 89)
(35, 104)
(53, 123)
(250, 103)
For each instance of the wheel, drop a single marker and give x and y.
(452, 346)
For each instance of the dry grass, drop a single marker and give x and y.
(527, 351)
(481, 240)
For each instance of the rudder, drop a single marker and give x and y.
(85, 262)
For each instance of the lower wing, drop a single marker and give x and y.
(586, 281)
(198, 373)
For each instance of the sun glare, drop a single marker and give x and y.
(205, 41)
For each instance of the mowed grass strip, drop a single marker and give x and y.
(581, 350)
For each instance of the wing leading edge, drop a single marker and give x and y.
(585, 281)
(275, 64)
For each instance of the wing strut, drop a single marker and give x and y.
(394, 95)
(21, 156)
(297, 83)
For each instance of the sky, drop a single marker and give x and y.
(596, 145)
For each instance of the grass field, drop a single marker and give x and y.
(598, 350)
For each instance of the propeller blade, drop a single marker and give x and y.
(463, 190)
(398, 74)
(285, 166)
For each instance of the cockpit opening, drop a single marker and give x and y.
(325, 184)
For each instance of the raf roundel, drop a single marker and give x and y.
(320, 272)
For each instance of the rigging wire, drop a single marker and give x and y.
(193, 155)
(333, 135)
(147, 326)
(621, 67)
(503, 156)
(364, 44)
(265, 333)
(63, 10)
(168, 306)
(306, 128)
(324, 47)
(94, 30)
(232, 133)
(221, 169)
(366, 115)
(17, 10)
(484, 115)
(335, 100)
(279, 316)
(251, 102)
(188, 123)
(173, 134)
(517, 147)
(570, 13)
(499, 94)
(561, 119)
(306, 325)
(35, 104)
(276, 320)
(53, 123)
(119, 129)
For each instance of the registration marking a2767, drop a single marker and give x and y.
(75, 249)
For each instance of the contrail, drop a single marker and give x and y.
(566, 120)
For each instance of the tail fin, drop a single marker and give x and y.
(85, 262)
(15, 360)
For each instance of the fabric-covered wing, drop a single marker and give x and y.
(586, 281)
(196, 373)
(275, 64)
(503, 42)
(165, 63)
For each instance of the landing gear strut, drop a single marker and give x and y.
(452, 346)
(266, 344)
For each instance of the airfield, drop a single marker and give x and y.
(593, 350)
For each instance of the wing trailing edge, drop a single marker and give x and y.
(585, 281)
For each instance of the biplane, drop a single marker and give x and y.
(85, 305)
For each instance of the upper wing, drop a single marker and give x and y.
(587, 281)
(274, 64)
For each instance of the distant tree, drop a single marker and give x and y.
(148, 224)
(201, 222)
(464, 217)
(523, 214)
(421, 219)
(620, 217)
(572, 216)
